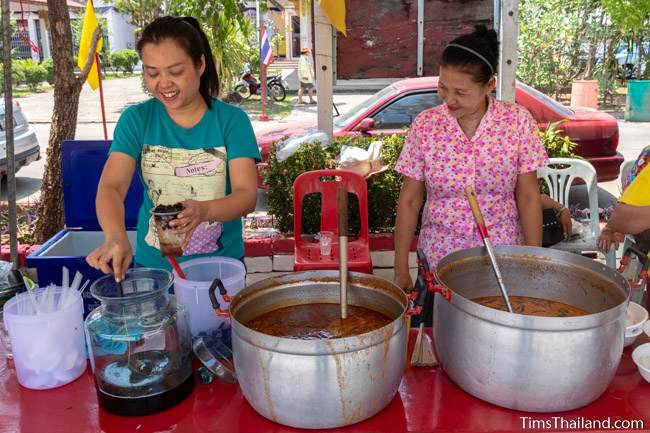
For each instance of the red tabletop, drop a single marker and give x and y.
(427, 402)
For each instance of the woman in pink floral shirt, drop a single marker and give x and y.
(471, 139)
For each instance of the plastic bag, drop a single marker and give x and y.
(290, 146)
(361, 161)
(5, 270)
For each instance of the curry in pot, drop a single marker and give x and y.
(531, 306)
(318, 321)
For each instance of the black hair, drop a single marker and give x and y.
(187, 33)
(476, 53)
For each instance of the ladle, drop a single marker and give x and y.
(342, 207)
(482, 229)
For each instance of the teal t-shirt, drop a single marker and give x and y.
(177, 164)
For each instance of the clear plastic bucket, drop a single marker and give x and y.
(192, 292)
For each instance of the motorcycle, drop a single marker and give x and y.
(248, 85)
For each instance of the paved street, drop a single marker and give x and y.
(119, 94)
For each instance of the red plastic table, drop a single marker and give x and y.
(427, 402)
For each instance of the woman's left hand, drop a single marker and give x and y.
(193, 213)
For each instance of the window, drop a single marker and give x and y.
(352, 114)
(401, 113)
(562, 109)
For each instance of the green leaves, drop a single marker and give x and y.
(560, 41)
(383, 189)
(228, 32)
(557, 145)
(124, 60)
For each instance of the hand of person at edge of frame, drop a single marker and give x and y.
(193, 213)
(567, 225)
(403, 280)
(114, 256)
(606, 239)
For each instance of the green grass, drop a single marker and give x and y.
(253, 106)
(21, 90)
(119, 75)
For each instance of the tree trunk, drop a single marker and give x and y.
(64, 118)
(639, 43)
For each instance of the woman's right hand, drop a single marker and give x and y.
(116, 252)
(403, 280)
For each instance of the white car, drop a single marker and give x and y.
(26, 148)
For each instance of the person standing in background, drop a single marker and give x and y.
(306, 75)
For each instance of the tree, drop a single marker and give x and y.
(142, 12)
(633, 18)
(552, 41)
(67, 87)
(228, 31)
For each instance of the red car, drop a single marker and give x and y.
(393, 108)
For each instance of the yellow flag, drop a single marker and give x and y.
(89, 26)
(335, 12)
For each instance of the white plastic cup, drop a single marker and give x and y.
(48, 348)
(325, 243)
(192, 292)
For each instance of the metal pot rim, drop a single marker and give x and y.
(317, 347)
(539, 323)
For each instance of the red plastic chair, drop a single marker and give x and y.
(307, 254)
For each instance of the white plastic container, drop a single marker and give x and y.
(49, 348)
(641, 357)
(193, 291)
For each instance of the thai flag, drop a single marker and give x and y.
(266, 55)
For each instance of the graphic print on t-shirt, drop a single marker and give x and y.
(173, 175)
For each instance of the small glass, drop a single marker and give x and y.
(4, 337)
(170, 242)
(325, 243)
(7, 293)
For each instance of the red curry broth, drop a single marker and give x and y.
(318, 321)
(532, 306)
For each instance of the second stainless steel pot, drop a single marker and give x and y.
(538, 364)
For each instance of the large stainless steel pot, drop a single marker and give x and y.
(537, 364)
(319, 383)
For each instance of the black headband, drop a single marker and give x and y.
(476, 53)
(193, 22)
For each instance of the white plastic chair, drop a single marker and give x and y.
(626, 167)
(559, 182)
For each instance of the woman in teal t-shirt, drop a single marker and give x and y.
(189, 148)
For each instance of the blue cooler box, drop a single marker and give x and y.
(81, 166)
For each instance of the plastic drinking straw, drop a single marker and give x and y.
(176, 267)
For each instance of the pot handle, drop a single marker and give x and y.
(643, 259)
(426, 282)
(213, 298)
(417, 296)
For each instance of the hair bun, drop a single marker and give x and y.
(488, 35)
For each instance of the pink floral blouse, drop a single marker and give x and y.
(438, 152)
